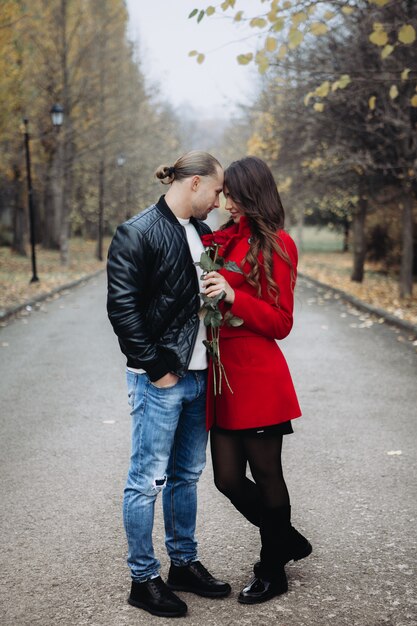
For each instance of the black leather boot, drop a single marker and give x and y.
(260, 589)
(195, 578)
(298, 548)
(281, 543)
(155, 597)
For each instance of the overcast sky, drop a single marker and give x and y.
(166, 35)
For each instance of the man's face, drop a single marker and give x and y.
(206, 191)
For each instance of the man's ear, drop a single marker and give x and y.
(195, 182)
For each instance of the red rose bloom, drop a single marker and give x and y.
(219, 237)
(208, 240)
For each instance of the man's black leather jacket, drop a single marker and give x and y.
(153, 291)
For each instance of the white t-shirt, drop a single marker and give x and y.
(199, 356)
(199, 359)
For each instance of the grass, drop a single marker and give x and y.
(322, 258)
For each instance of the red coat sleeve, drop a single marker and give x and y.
(263, 315)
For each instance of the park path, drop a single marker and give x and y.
(350, 467)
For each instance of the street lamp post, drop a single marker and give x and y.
(34, 278)
(57, 115)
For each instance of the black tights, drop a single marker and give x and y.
(231, 453)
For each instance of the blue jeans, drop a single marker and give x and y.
(169, 441)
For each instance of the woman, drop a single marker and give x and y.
(251, 415)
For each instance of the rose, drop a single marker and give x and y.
(211, 313)
(219, 237)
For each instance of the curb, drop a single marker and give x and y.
(364, 306)
(8, 313)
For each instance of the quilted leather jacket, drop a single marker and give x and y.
(153, 291)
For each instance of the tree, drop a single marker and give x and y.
(348, 144)
(77, 53)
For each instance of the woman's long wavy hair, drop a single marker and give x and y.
(251, 185)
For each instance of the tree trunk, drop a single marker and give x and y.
(359, 242)
(406, 273)
(66, 160)
(20, 226)
(346, 231)
(102, 49)
(53, 202)
(299, 231)
(100, 210)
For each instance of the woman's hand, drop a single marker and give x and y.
(214, 283)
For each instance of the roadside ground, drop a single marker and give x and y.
(16, 271)
(321, 260)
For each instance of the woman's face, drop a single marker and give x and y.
(235, 211)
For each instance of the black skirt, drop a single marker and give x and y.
(260, 432)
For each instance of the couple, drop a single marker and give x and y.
(153, 303)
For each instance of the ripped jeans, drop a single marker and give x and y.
(169, 441)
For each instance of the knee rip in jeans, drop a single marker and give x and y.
(159, 483)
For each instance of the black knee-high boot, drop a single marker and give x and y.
(275, 530)
(270, 579)
(281, 543)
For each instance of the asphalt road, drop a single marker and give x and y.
(350, 467)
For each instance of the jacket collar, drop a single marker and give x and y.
(163, 207)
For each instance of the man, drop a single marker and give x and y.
(153, 304)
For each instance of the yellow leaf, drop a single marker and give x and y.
(298, 18)
(378, 37)
(414, 101)
(272, 15)
(244, 59)
(372, 102)
(295, 38)
(323, 90)
(193, 53)
(407, 34)
(308, 97)
(344, 81)
(405, 73)
(387, 50)
(319, 106)
(200, 58)
(393, 92)
(262, 62)
(210, 10)
(347, 10)
(329, 15)
(279, 25)
(379, 3)
(270, 44)
(318, 28)
(258, 22)
(282, 51)
(238, 16)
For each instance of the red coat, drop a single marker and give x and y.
(263, 391)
